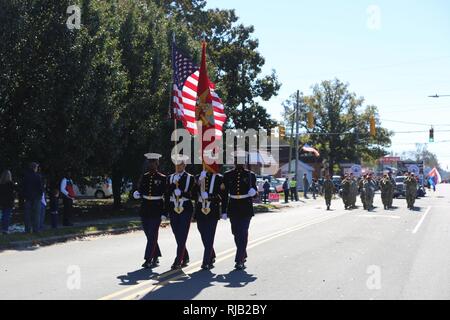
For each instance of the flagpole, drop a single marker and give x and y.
(171, 108)
(202, 151)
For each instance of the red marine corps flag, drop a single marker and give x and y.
(204, 114)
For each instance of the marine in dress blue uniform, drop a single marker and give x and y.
(179, 198)
(209, 196)
(151, 191)
(239, 186)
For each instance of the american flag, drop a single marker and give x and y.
(307, 148)
(186, 75)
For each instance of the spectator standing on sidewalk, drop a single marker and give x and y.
(294, 190)
(266, 188)
(286, 190)
(32, 193)
(68, 195)
(6, 199)
(314, 188)
(43, 204)
(305, 185)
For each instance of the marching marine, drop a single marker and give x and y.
(208, 213)
(411, 190)
(391, 196)
(151, 191)
(179, 198)
(362, 192)
(386, 191)
(346, 189)
(353, 191)
(328, 190)
(369, 190)
(239, 186)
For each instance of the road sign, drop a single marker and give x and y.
(274, 197)
(357, 170)
(414, 169)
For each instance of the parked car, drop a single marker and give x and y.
(99, 190)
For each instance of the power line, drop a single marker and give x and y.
(416, 123)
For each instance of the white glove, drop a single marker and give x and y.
(252, 193)
(205, 195)
(224, 216)
(176, 178)
(203, 175)
(164, 218)
(137, 195)
(178, 193)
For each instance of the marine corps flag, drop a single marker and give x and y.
(204, 113)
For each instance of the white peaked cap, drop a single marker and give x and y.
(153, 156)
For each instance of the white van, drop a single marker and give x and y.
(101, 190)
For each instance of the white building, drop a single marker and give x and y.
(302, 169)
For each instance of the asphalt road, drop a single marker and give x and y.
(298, 253)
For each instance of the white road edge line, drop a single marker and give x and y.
(421, 221)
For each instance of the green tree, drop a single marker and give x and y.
(341, 130)
(63, 88)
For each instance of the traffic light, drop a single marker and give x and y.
(311, 121)
(431, 135)
(282, 131)
(373, 128)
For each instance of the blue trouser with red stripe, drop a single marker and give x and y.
(207, 228)
(181, 224)
(151, 228)
(240, 227)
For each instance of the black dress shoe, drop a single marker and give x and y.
(176, 267)
(147, 265)
(206, 267)
(155, 263)
(185, 263)
(240, 267)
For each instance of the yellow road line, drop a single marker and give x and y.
(254, 244)
(192, 266)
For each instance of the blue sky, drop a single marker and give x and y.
(395, 61)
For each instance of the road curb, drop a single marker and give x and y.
(17, 245)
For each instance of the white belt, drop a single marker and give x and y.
(182, 199)
(153, 198)
(240, 197)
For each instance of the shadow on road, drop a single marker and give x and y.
(189, 287)
(133, 278)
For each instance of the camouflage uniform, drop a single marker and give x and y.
(346, 192)
(391, 195)
(411, 191)
(353, 192)
(328, 191)
(386, 192)
(369, 190)
(362, 192)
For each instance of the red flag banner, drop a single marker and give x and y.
(204, 113)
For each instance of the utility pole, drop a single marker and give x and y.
(297, 130)
(291, 145)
